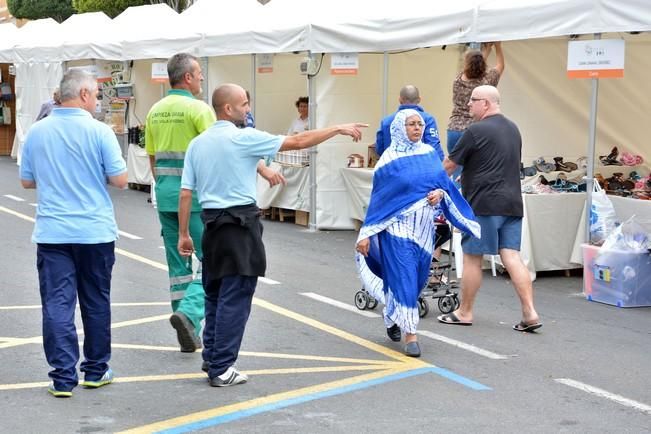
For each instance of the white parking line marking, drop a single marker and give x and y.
(605, 394)
(128, 235)
(339, 304)
(34, 204)
(16, 198)
(268, 281)
(463, 345)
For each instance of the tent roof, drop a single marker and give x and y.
(90, 36)
(7, 37)
(38, 41)
(154, 31)
(212, 28)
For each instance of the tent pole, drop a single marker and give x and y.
(311, 124)
(253, 77)
(591, 152)
(204, 84)
(385, 83)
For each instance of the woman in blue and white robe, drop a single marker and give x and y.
(396, 242)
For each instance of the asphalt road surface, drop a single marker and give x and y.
(316, 363)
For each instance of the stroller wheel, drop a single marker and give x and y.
(361, 299)
(456, 301)
(371, 303)
(448, 303)
(423, 307)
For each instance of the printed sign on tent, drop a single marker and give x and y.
(99, 73)
(159, 72)
(265, 63)
(344, 64)
(598, 58)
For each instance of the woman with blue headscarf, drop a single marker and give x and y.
(396, 242)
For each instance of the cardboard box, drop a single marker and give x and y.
(617, 278)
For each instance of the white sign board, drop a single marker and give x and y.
(344, 63)
(159, 72)
(598, 58)
(265, 63)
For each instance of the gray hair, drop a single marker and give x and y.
(409, 94)
(178, 66)
(72, 83)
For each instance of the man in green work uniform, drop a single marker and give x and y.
(171, 123)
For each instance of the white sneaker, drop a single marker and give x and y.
(229, 378)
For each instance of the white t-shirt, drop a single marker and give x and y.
(298, 126)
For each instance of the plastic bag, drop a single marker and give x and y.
(603, 219)
(628, 237)
(6, 115)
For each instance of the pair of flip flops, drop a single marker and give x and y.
(522, 326)
(528, 328)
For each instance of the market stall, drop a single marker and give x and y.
(553, 227)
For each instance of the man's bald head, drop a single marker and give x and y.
(226, 94)
(488, 92)
(409, 95)
(231, 103)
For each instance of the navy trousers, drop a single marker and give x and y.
(65, 272)
(228, 305)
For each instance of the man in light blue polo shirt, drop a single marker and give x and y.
(220, 165)
(69, 157)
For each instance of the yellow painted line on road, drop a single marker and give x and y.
(17, 214)
(202, 375)
(131, 304)
(141, 259)
(265, 400)
(339, 333)
(38, 339)
(267, 355)
(128, 323)
(117, 250)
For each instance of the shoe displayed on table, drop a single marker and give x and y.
(107, 378)
(229, 378)
(58, 393)
(542, 166)
(185, 333)
(394, 333)
(629, 159)
(611, 159)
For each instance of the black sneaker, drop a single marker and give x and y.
(185, 332)
(229, 378)
(394, 333)
(205, 366)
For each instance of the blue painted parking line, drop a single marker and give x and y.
(236, 415)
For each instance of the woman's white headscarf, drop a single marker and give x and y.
(398, 130)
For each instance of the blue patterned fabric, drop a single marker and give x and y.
(400, 224)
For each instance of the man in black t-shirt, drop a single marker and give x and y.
(490, 153)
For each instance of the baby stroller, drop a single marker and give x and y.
(440, 286)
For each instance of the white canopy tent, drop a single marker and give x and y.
(90, 36)
(7, 37)
(212, 28)
(154, 31)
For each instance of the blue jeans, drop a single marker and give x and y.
(65, 272)
(228, 305)
(497, 232)
(453, 138)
